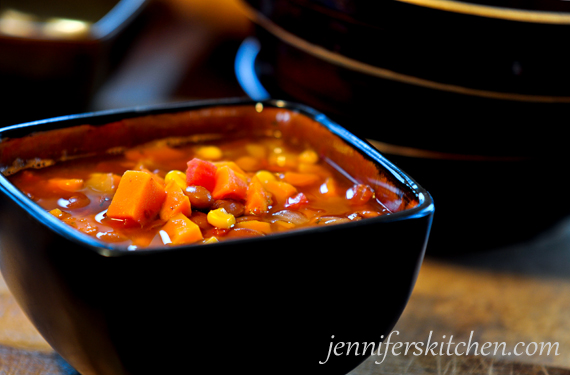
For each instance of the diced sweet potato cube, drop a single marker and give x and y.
(280, 190)
(66, 184)
(138, 198)
(233, 166)
(257, 225)
(301, 179)
(258, 199)
(229, 185)
(175, 202)
(182, 230)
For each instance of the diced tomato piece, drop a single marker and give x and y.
(297, 201)
(201, 173)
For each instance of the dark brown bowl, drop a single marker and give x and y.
(468, 95)
(56, 54)
(469, 70)
(269, 304)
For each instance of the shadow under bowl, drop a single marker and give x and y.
(269, 304)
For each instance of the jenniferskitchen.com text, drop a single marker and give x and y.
(433, 346)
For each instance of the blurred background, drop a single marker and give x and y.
(71, 57)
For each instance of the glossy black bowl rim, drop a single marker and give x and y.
(423, 209)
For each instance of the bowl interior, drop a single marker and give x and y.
(34, 146)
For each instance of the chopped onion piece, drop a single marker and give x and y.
(289, 216)
(326, 220)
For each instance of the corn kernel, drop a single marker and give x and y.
(220, 218)
(56, 212)
(178, 177)
(309, 157)
(265, 176)
(282, 159)
(209, 153)
(256, 150)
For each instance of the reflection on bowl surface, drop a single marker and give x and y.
(268, 302)
(504, 73)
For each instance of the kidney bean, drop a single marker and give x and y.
(200, 198)
(201, 219)
(231, 206)
(243, 232)
(77, 200)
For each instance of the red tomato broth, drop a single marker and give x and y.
(304, 191)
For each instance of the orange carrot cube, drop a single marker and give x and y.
(258, 199)
(66, 184)
(175, 202)
(182, 230)
(257, 225)
(229, 185)
(301, 179)
(280, 190)
(138, 198)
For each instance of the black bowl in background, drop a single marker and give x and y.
(270, 304)
(470, 97)
(56, 54)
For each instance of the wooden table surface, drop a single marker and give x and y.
(519, 293)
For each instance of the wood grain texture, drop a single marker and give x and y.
(26, 362)
(15, 328)
(519, 293)
(452, 365)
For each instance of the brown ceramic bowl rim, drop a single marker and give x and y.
(503, 13)
(351, 64)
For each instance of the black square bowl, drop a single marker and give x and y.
(272, 304)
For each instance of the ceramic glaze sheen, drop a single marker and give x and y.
(239, 305)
